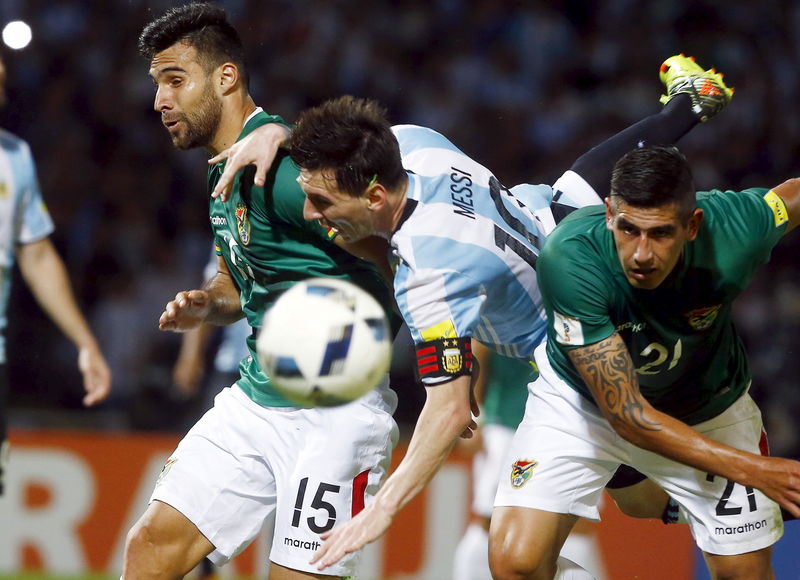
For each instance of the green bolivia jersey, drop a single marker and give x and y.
(689, 359)
(268, 246)
(506, 389)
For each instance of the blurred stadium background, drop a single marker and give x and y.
(523, 86)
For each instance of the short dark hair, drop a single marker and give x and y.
(351, 137)
(653, 177)
(201, 25)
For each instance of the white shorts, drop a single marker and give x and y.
(241, 462)
(487, 466)
(564, 452)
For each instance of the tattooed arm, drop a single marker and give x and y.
(607, 369)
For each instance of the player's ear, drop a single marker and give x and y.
(228, 77)
(694, 224)
(376, 196)
(609, 213)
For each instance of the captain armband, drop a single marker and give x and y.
(443, 359)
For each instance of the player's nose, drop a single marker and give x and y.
(644, 251)
(310, 212)
(162, 102)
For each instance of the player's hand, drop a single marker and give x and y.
(96, 374)
(471, 445)
(187, 311)
(258, 148)
(779, 479)
(369, 525)
(470, 430)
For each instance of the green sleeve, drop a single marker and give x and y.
(575, 293)
(754, 220)
(287, 198)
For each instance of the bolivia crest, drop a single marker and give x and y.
(165, 470)
(703, 318)
(242, 224)
(521, 472)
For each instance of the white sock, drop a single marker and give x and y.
(471, 558)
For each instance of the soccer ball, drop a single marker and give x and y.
(324, 342)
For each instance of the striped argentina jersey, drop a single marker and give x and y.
(23, 216)
(465, 254)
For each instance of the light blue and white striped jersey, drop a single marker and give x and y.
(466, 251)
(23, 216)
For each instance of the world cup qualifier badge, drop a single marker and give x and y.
(521, 472)
(242, 224)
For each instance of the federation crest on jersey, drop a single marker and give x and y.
(703, 318)
(165, 470)
(521, 472)
(242, 224)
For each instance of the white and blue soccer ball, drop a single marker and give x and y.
(324, 342)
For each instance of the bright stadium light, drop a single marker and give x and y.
(17, 34)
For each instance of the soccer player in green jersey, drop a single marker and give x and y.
(254, 453)
(643, 366)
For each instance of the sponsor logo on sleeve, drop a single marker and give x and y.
(568, 329)
(521, 471)
(778, 208)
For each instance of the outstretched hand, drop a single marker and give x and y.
(187, 311)
(258, 148)
(369, 525)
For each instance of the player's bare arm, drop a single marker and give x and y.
(608, 371)
(445, 417)
(258, 148)
(612, 372)
(216, 303)
(46, 276)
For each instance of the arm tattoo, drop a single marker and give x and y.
(607, 369)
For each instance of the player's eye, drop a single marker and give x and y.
(661, 233)
(319, 202)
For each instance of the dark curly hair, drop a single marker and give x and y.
(351, 137)
(201, 25)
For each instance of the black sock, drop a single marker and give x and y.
(664, 128)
